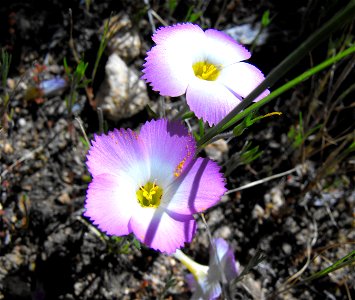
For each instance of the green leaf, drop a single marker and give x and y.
(201, 127)
(136, 243)
(249, 154)
(5, 66)
(188, 115)
(171, 6)
(66, 68)
(265, 20)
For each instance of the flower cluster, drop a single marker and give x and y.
(150, 184)
(206, 65)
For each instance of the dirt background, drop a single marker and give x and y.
(49, 251)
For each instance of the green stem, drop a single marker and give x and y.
(304, 76)
(341, 18)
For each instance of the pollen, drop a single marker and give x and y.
(206, 71)
(149, 195)
(179, 167)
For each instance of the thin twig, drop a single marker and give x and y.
(257, 182)
(101, 119)
(158, 18)
(150, 17)
(82, 130)
(71, 40)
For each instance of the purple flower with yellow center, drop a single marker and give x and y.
(206, 65)
(150, 184)
(205, 281)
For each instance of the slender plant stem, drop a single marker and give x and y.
(341, 18)
(261, 181)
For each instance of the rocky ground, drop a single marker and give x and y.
(301, 221)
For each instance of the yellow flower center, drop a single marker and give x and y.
(149, 195)
(206, 71)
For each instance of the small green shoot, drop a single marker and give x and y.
(171, 4)
(103, 44)
(4, 67)
(297, 134)
(249, 153)
(191, 16)
(265, 19)
(5, 62)
(249, 120)
(77, 80)
(201, 130)
(201, 127)
(136, 244)
(346, 261)
(122, 245)
(187, 115)
(245, 156)
(265, 22)
(84, 142)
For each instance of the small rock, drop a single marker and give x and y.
(286, 248)
(64, 199)
(8, 149)
(123, 39)
(22, 122)
(217, 149)
(254, 288)
(11, 83)
(274, 200)
(122, 94)
(224, 232)
(247, 33)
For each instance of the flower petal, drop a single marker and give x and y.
(198, 188)
(191, 282)
(169, 146)
(120, 151)
(167, 71)
(110, 202)
(225, 256)
(203, 289)
(210, 100)
(223, 49)
(168, 66)
(242, 78)
(161, 231)
(182, 34)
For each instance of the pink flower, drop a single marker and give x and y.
(150, 184)
(206, 65)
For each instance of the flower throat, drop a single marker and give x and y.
(206, 71)
(149, 195)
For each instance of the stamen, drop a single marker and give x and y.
(149, 195)
(206, 71)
